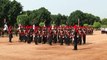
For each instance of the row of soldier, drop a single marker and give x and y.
(51, 35)
(55, 35)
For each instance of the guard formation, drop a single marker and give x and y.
(51, 35)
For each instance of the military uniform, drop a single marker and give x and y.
(49, 38)
(84, 37)
(54, 36)
(10, 34)
(75, 40)
(80, 37)
(61, 37)
(67, 38)
(36, 38)
(30, 36)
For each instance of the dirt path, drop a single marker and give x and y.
(95, 49)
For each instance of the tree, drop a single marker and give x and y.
(9, 10)
(14, 11)
(84, 18)
(43, 15)
(104, 21)
(89, 18)
(97, 25)
(74, 16)
(59, 19)
(23, 20)
(4, 8)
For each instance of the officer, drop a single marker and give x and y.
(75, 40)
(10, 33)
(84, 36)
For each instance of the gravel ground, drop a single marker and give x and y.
(95, 49)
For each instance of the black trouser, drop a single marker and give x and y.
(10, 37)
(30, 39)
(36, 40)
(55, 39)
(61, 40)
(80, 40)
(25, 38)
(39, 39)
(44, 39)
(84, 39)
(67, 40)
(75, 43)
(21, 37)
(49, 40)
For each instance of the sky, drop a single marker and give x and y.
(95, 7)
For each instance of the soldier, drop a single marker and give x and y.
(44, 36)
(80, 36)
(84, 36)
(61, 37)
(10, 33)
(30, 36)
(26, 35)
(39, 36)
(67, 37)
(55, 36)
(21, 35)
(75, 39)
(36, 38)
(49, 37)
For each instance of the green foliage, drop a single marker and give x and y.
(23, 19)
(9, 10)
(85, 25)
(104, 21)
(42, 24)
(84, 18)
(104, 26)
(74, 16)
(43, 15)
(59, 19)
(63, 25)
(97, 25)
(14, 11)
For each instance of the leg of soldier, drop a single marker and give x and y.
(68, 41)
(35, 40)
(80, 40)
(39, 39)
(26, 38)
(75, 43)
(31, 39)
(65, 40)
(61, 41)
(10, 37)
(84, 39)
(28, 41)
(50, 41)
